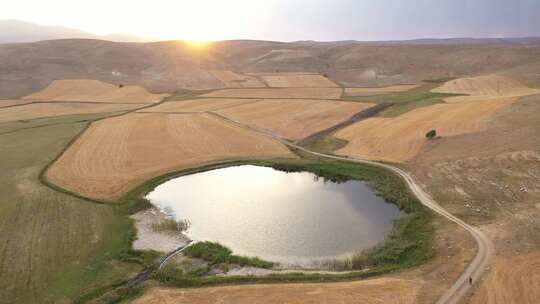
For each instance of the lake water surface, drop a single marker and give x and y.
(292, 218)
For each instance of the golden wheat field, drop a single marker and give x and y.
(39, 110)
(386, 290)
(114, 155)
(483, 88)
(86, 90)
(512, 280)
(401, 138)
(308, 93)
(294, 119)
(197, 105)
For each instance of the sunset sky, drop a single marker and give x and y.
(287, 20)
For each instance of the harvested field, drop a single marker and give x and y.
(512, 280)
(12, 102)
(298, 81)
(116, 154)
(234, 80)
(197, 105)
(86, 90)
(484, 87)
(401, 138)
(294, 119)
(387, 290)
(39, 110)
(308, 93)
(380, 90)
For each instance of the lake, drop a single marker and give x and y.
(291, 218)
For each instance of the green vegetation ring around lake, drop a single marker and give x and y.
(410, 243)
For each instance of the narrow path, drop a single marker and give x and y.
(485, 247)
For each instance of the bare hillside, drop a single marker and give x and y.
(170, 66)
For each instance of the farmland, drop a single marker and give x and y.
(94, 91)
(82, 146)
(297, 81)
(309, 93)
(234, 80)
(294, 119)
(114, 155)
(40, 110)
(372, 291)
(379, 91)
(400, 138)
(198, 105)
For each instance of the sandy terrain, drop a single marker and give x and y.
(380, 90)
(294, 119)
(85, 90)
(38, 110)
(234, 80)
(197, 105)
(513, 280)
(315, 93)
(298, 81)
(401, 138)
(386, 290)
(116, 154)
(148, 239)
(484, 87)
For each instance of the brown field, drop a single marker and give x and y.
(484, 87)
(513, 280)
(12, 102)
(387, 290)
(298, 81)
(294, 119)
(116, 154)
(197, 105)
(85, 90)
(39, 110)
(308, 93)
(234, 80)
(401, 138)
(379, 90)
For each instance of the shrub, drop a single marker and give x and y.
(431, 134)
(216, 253)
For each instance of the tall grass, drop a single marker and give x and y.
(170, 224)
(216, 253)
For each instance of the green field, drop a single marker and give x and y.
(52, 246)
(404, 102)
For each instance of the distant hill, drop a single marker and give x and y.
(16, 31)
(168, 66)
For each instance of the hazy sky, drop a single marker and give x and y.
(286, 20)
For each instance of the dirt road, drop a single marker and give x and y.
(485, 248)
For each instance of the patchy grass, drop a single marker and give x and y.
(218, 254)
(325, 144)
(170, 224)
(404, 102)
(171, 276)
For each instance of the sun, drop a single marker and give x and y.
(199, 44)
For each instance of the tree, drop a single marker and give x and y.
(431, 134)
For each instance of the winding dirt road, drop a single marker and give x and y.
(485, 247)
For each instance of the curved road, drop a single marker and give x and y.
(485, 248)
